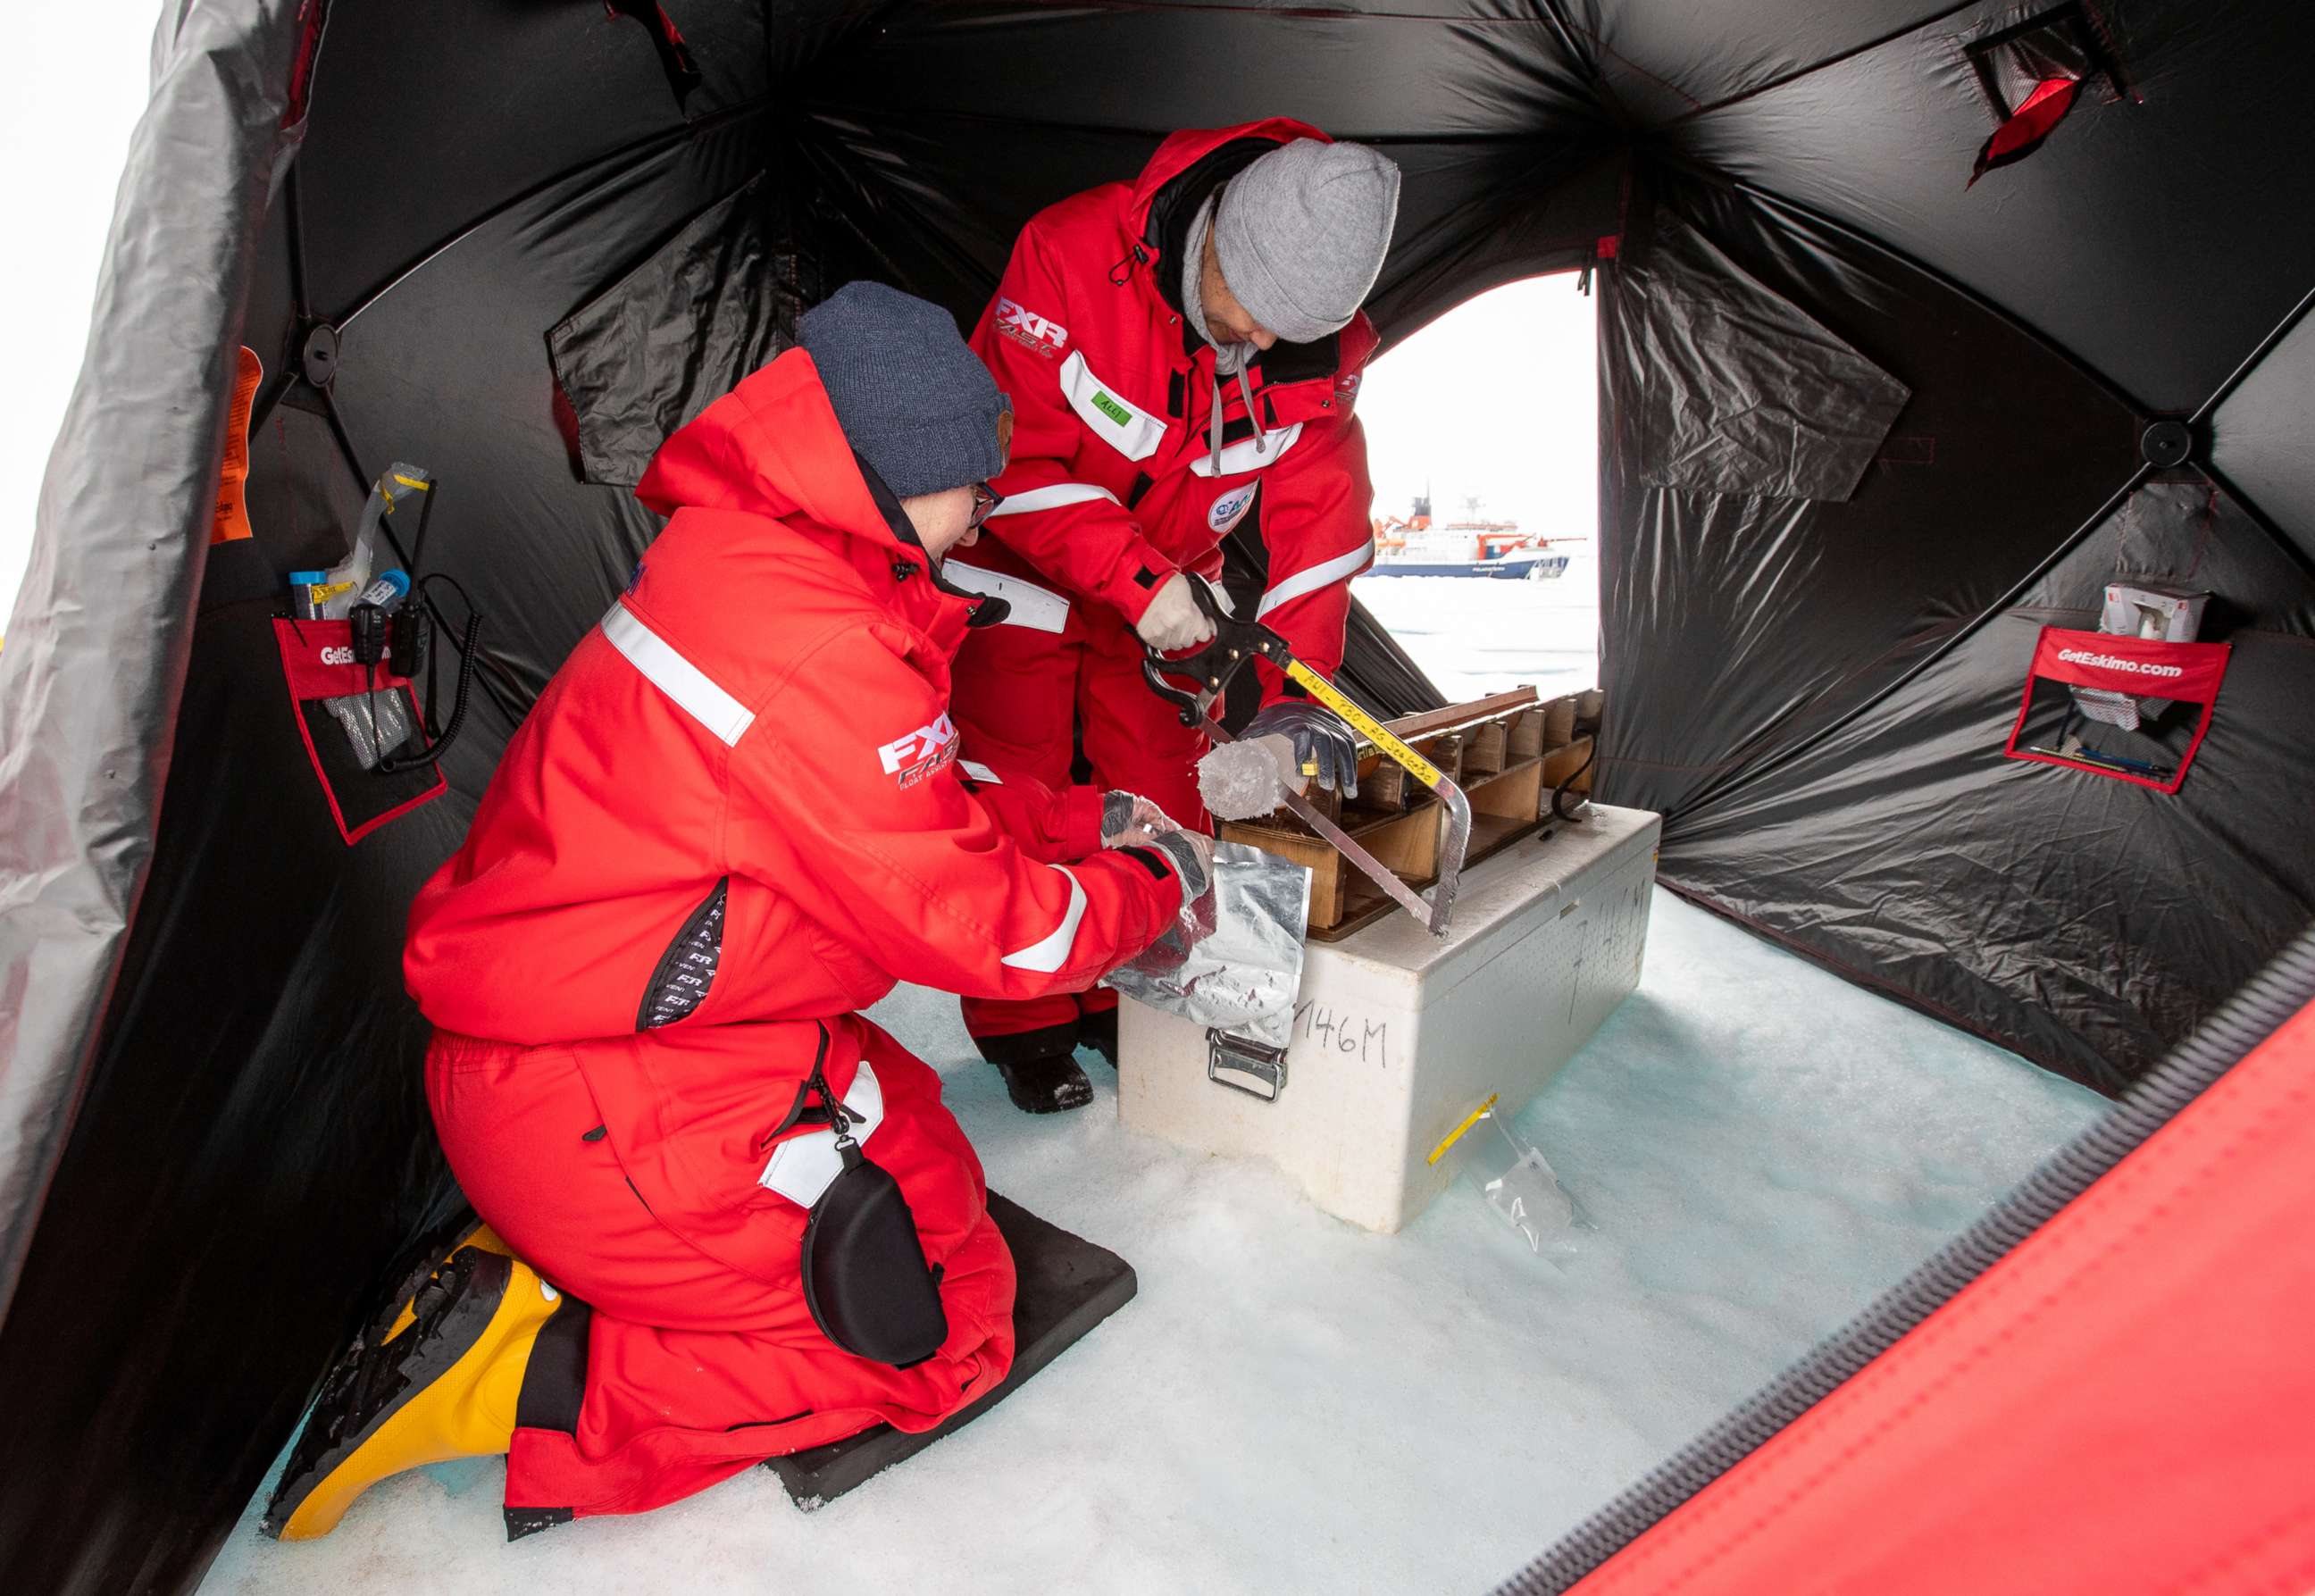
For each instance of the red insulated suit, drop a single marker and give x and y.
(1114, 486)
(734, 817)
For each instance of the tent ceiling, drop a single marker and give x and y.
(2162, 273)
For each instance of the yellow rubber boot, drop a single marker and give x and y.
(444, 1385)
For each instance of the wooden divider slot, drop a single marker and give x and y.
(1508, 753)
(1563, 762)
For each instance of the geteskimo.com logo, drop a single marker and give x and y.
(2115, 663)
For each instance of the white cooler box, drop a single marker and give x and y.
(1399, 1035)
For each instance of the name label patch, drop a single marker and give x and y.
(1118, 422)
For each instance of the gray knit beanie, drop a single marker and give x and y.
(1302, 233)
(913, 401)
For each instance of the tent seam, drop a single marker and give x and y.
(1835, 59)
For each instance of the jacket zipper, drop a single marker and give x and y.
(2247, 1019)
(799, 1111)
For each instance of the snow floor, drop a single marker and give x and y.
(1293, 1404)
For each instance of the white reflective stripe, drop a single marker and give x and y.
(1126, 427)
(803, 1166)
(1051, 497)
(980, 773)
(1048, 955)
(1248, 454)
(1312, 578)
(1041, 610)
(677, 677)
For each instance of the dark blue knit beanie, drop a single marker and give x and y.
(913, 401)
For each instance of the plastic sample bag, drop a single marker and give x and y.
(1511, 1174)
(376, 724)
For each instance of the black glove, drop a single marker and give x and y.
(1321, 738)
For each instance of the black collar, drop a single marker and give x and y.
(1176, 206)
(987, 610)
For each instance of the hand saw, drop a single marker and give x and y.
(1235, 643)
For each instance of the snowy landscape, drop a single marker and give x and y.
(1294, 1405)
(1474, 637)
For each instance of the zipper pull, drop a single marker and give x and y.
(846, 1149)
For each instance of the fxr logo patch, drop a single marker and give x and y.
(1047, 336)
(921, 752)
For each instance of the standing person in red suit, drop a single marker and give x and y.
(1184, 353)
(727, 1217)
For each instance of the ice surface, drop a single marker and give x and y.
(1293, 1404)
(1477, 635)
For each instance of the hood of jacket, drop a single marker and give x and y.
(773, 447)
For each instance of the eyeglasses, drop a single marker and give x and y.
(985, 501)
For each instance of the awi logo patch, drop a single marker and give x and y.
(1230, 509)
(922, 751)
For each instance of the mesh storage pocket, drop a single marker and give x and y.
(343, 718)
(2133, 708)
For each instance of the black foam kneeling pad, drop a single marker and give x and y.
(1067, 1286)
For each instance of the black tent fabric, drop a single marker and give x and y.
(1867, 424)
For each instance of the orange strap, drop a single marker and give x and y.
(231, 506)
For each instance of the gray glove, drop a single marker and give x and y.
(1325, 750)
(1128, 819)
(1192, 855)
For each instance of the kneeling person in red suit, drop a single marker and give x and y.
(728, 1218)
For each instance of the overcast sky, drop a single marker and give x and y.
(1494, 400)
(64, 137)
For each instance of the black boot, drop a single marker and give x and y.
(1099, 1033)
(1047, 1085)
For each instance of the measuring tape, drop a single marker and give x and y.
(1367, 726)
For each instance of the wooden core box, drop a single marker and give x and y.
(1508, 752)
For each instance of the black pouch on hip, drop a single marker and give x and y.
(865, 1275)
